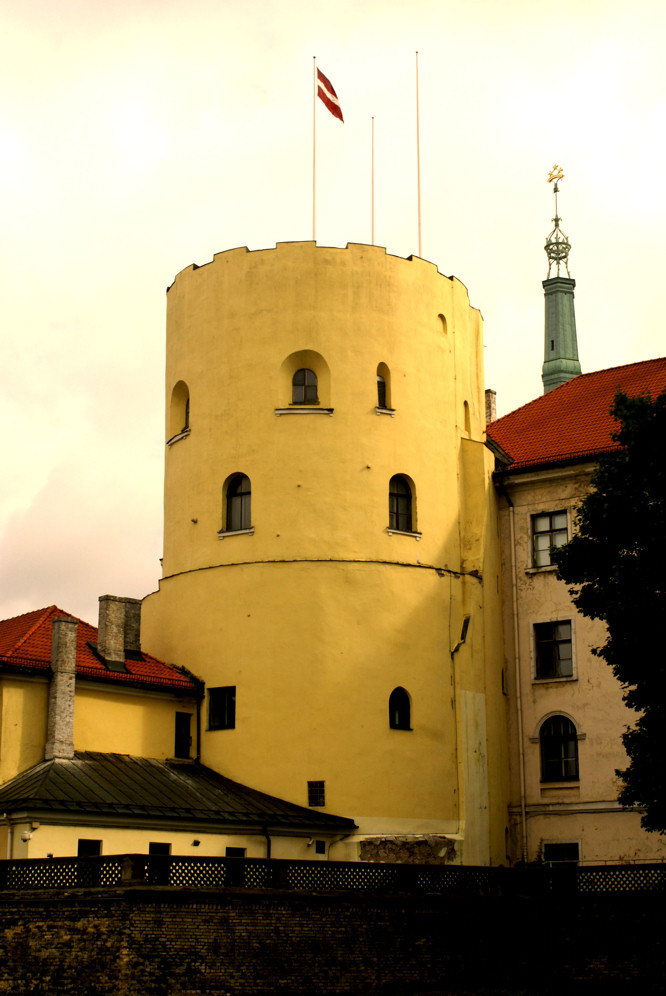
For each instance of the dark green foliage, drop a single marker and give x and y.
(617, 565)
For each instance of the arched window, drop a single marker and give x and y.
(400, 504)
(381, 392)
(383, 387)
(179, 414)
(559, 750)
(304, 388)
(239, 495)
(399, 710)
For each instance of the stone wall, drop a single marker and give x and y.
(145, 942)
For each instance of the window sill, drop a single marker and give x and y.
(544, 569)
(385, 411)
(235, 532)
(402, 532)
(304, 410)
(183, 434)
(554, 680)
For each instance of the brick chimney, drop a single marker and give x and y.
(491, 405)
(118, 630)
(60, 728)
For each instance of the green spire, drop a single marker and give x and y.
(560, 358)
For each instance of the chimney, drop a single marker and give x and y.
(491, 405)
(60, 729)
(118, 630)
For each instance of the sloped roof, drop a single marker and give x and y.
(573, 421)
(122, 786)
(25, 645)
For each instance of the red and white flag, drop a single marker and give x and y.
(327, 94)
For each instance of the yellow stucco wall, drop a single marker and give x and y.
(23, 719)
(320, 613)
(128, 722)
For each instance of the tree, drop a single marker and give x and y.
(617, 565)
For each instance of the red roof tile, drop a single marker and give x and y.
(573, 422)
(25, 644)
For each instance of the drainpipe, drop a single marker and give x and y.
(10, 835)
(266, 834)
(516, 665)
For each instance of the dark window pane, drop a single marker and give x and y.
(239, 497)
(183, 735)
(399, 710)
(552, 642)
(400, 504)
(304, 387)
(381, 392)
(222, 708)
(316, 794)
(559, 750)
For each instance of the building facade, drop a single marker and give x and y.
(331, 559)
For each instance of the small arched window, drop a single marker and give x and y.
(559, 750)
(179, 414)
(304, 388)
(399, 710)
(381, 391)
(400, 504)
(239, 496)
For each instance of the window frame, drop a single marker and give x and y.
(558, 754)
(546, 551)
(237, 501)
(305, 387)
(539, 653)
(222, 713)
(400, 709)
(317, 794)
(398, 519)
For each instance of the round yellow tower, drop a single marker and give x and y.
(331, 564)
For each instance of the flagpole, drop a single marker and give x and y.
(418, 154)
(372, 184)
(314, 143)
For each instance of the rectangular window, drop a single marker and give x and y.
(89, 848)
(158, 847)
(316, 794)
(561, 852)
(549, 530)
(183, 735)
(235, 852)
(222, 708)
(552, 646)
(320, 847)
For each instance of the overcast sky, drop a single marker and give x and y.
(139, 136)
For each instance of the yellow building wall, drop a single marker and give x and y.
(320, 613)
(53, 840)
(23, 719)
(128, 722)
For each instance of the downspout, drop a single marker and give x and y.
(266, 834)
(516, 665)
(10, 835)
(200, 695)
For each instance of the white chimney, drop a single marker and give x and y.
(60, 729)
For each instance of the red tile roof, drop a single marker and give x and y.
(573, 421)
(25, 645)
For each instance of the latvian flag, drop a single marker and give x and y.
(328, 95)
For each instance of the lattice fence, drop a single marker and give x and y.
(324, 876)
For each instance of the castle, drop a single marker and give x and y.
(358, 648)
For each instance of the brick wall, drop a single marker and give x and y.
(141, 942)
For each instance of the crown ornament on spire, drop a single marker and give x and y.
(557, 244)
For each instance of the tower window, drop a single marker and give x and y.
(399, 710)
(559, 750)
(304, 388)
(222, 708)
(239, 495)
(316, 793)
(400, 504)
(381, 392)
